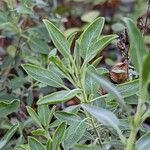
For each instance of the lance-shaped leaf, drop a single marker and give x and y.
(145, 78)
(104, 116)
(98, 46)
(8, 135)
(44, 115)
(45, 76)
(108, 86)
(90, 35)
(34, 115)
(73, 134)
(68, 117)
(58, 97)
(7, 108)
(137, 47)
(59, 40)
(58, 136)
(144, 142)
(34, 144)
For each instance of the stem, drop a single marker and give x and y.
(135, 127)
(131, 140)
(95, 129)
(146, 19)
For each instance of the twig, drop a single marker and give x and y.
(146, 19)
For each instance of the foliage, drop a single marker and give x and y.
(66, 67)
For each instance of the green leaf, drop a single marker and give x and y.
(24, 9)
(38, 45)
(71, 38)
(73, 134)
(90, 35)
(58, 97)
(104, 116)
(45, 76)
(34, 115)
(70, 118)
(86, 147)
(59, 64)
(44, 115)
(137, 47)
(59, 40)
(90, 16)
(108, 86)
(3, 17)
(144, 142)
(7, 108)
(127, 89)
(34, 144)
(98, 46)
(58, 136)
(91, 85)
(145, 78)
(39, 132)
(70, 33)
(8, 135)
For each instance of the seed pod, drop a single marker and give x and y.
(118, 73)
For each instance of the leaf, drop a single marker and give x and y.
(58, 97)
(86, 147)
(90, 16)
(70, 118)
(73, 134)
(8, 135)
(7, 108)
(144, 142)
(39, 132)
(90, 35)
(24, 9)
(69, 33)
(34, 115)
(71, 38)
(59, 64)
(34, 144)
(91, 85)
(45, 76)
(102, 115)
(44, 115)
(137, 47)
(145, 78)
(98, 46)
(58, 136)
(127, 89)
(108, 86)
(59, 40)
(38, 45)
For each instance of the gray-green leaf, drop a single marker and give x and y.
(98, 46)
(45, 76)
(58, 97)
(144, 142)
(7, 108)
(8, 135)
(137, 47)
(58, 136)
(145, 78)
(108, 86)
(90, 35)
(34, 115)
(59, 40)
(34, 144)
(104, 116)
(74, 133)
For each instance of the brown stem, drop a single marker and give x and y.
(146, 19)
